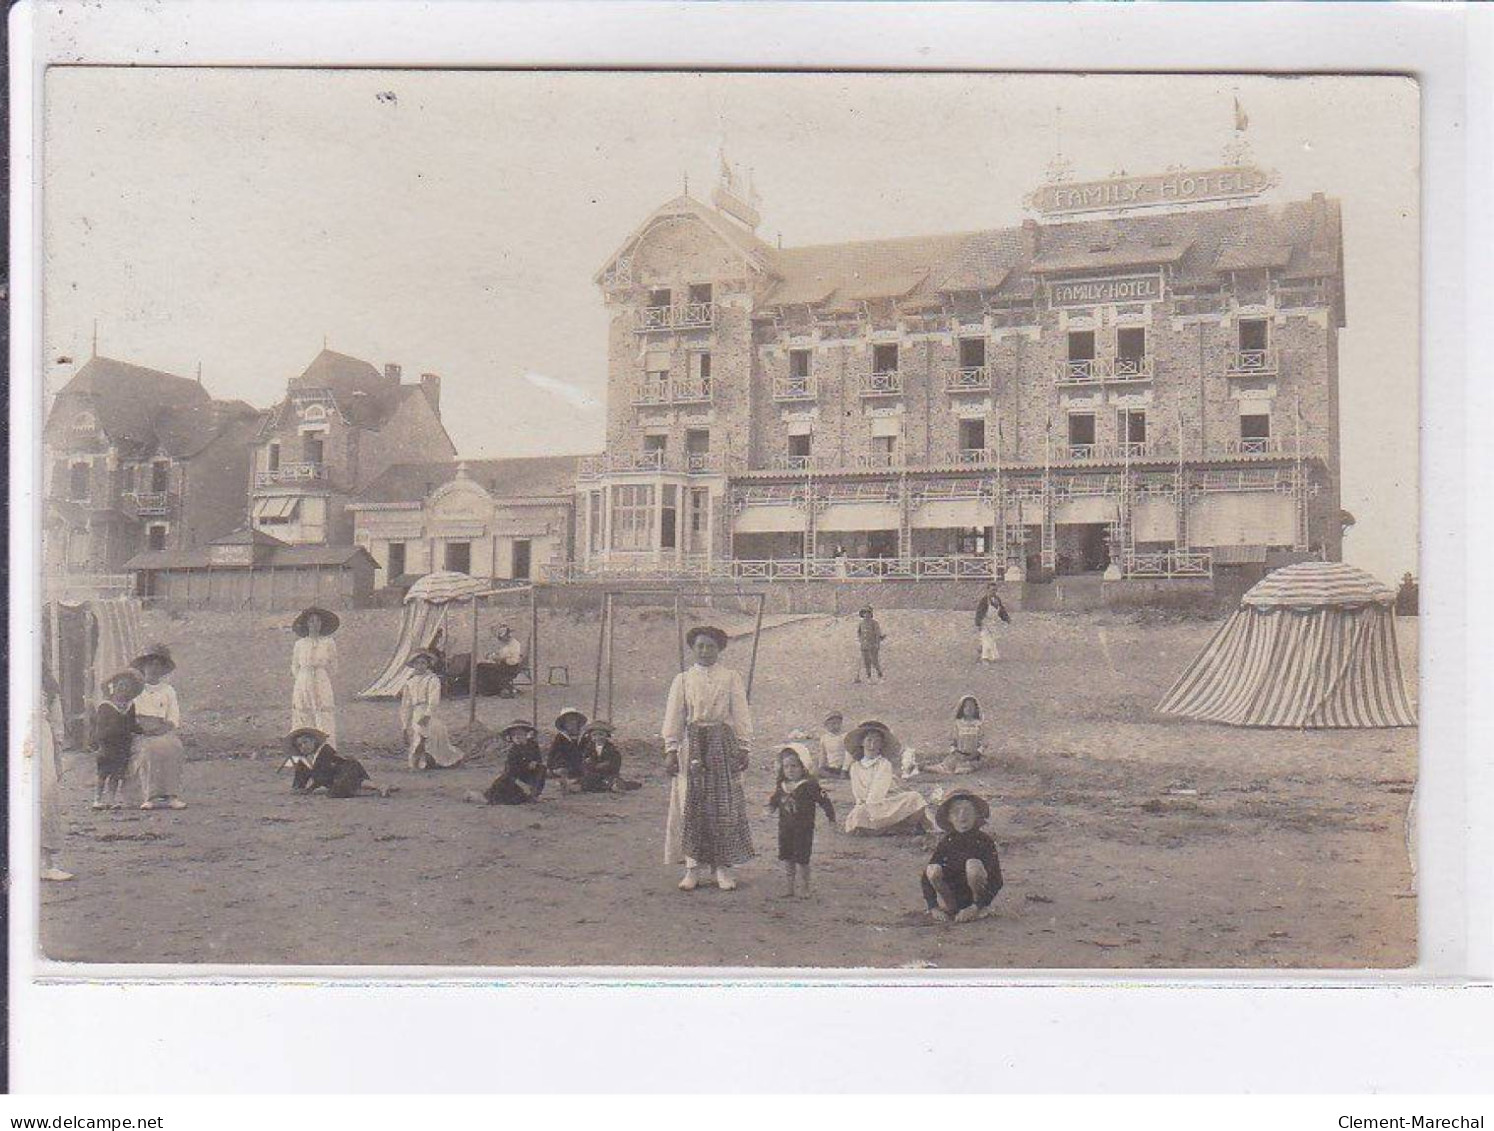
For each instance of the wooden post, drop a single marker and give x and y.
(757, 629)
(596, 697)
(472, 675)
(534, 652)
(611, 649)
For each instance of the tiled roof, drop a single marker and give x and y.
(128, 400)
(542, 476)
(280, 557)
(245, 535)
(1300, 238)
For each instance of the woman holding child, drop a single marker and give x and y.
(159, 754)
(707, 743)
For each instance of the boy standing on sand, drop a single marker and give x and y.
(869, 637)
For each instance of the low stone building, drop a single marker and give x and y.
(498, 518)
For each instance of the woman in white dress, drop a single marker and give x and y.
(707, 743)
(427, 740)
(313, 664)
(159, 754)
(882, 806)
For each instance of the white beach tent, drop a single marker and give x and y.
(427, 606)
(1311, 645)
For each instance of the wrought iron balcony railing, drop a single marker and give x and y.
(684, 316)
(1254, 446)
(885, 384)
(795, 388)
(1252, 363)
(968, 378)
(1103, 370)
(149, 503)
(288, 473)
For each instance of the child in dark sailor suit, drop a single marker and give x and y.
(319, 766)
(795, 799)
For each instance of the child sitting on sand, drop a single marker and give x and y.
(601, 762)
(963, 875)
(967, 746)
(882, 806)
(319, 766)
(523, 776)
(114, 731)
(836, 761)
(794, 799)
(566, 748)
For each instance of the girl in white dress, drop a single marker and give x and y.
(313, 664)
(159, 754)
(427, 740)
(882, 806)
(707, 743)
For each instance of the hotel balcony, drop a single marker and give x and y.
(793, 463)
(1104, 370)
(651, 392)
(291, 473)
(888, 384)
(148, 504)
(1255, 446)
(1252, 363)
(672, 392)
(975, 457)
(692, 392)
(876, 461)
(685, 316)
(968, 379)
(795, 388)
(687, 463)
(1109, 453)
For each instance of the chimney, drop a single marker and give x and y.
(1032, 238)
(430, 384)
(392, 373)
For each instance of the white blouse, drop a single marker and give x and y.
(158, 701)
(871, 780)
(313, 652)
(705, 696)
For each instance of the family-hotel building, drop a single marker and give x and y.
(1140, 379)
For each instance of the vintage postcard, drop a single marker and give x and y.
(584, 520)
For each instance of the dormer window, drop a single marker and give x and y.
(314, 412)
(85, 422)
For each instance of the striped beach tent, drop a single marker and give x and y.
(86, 641)
(1312, 645)
(426, 607)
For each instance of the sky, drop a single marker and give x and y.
(452, 222)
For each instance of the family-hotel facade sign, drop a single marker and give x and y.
(1117, 289)
(1157, 190)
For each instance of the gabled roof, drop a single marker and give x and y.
(248, 536)
(129, 400)
(757, 254)
(540, 476)
(184, 430)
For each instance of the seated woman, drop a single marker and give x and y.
(523, 776)
(882, 806)
(427, 740)
(566, 748)
(601, 762)
(319, 766)
(966, 749)
(159, 754)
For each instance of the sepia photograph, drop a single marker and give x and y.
(826, 521)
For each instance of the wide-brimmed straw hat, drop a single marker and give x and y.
(841, 715)
(518, 724)
(330, 621)
(599, 726)
(941, 814)
(571, 713)
(891, 747)
(129, 677)
(960, 706)
(304, 732)
(716, 634)
(421, 654)
(156, 653)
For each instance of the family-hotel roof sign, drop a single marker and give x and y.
(1157, 190)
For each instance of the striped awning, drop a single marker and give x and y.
(1283, 667)
(276, 506)
(1311, 585)
(446, 585)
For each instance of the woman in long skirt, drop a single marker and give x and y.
(427, 741)
(707, 742)
(159, 753)
(313, 664)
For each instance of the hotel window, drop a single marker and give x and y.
(396, 562)
(656, 442)
(660, 297)
(1254, 334)
(698, 440)
(594, 521)
(697, 520)
(799, 446)
(1081, 345)
(633, 517)
(459, 557)
(700, 292)
(972, 435)
(522, 554)
(1255, 426)
(160, 473)
(78, 478)
(972, 353)
(884, 358)
(272, 458)
(156, 537)
(311, 446)
(700, 366)
(1081, 429)
(1130, 343)
(799, 362)
(668, 517)
(1130, 425)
